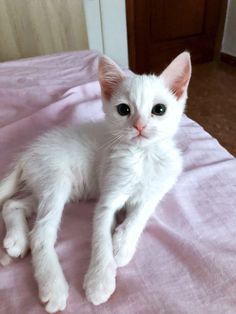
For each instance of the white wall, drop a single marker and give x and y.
(32, 28)
(229, 37)
(106, 28)
(94, 25)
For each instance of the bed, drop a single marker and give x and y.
(186, 258)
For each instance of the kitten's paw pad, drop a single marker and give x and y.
(100, 285)
(16, 245)
(123, 249)
(55, 295)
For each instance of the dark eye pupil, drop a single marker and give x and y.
(123, 109)
(159, 109)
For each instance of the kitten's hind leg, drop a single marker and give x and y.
(53, 288)
(14, 213)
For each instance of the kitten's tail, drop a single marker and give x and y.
(8, 186)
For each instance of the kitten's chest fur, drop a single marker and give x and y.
(139, 170)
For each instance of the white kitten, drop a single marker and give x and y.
(129, 160)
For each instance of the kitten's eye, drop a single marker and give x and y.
(159, 109)
(123, 109)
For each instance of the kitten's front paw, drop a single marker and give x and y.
(16, 244)
(123, 247)
(54, 293)
(99, 284)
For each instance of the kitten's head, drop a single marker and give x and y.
(142, 109)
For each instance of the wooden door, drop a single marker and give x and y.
(160, 29)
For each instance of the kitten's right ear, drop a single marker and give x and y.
(110, 76)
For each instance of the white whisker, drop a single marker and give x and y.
(110, 142)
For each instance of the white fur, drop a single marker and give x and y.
(103, 159)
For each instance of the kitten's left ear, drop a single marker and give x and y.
(177, 75)
(110, 76)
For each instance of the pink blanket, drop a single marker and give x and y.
(186, 259)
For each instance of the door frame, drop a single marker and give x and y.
(106, 28)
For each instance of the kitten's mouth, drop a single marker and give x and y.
(140, 137)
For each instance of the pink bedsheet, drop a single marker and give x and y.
(186, 259)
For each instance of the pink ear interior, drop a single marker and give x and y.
(110, 76)
(177, 75)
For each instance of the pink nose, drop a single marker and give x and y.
(139, 126)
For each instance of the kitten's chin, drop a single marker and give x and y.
(140, 140)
